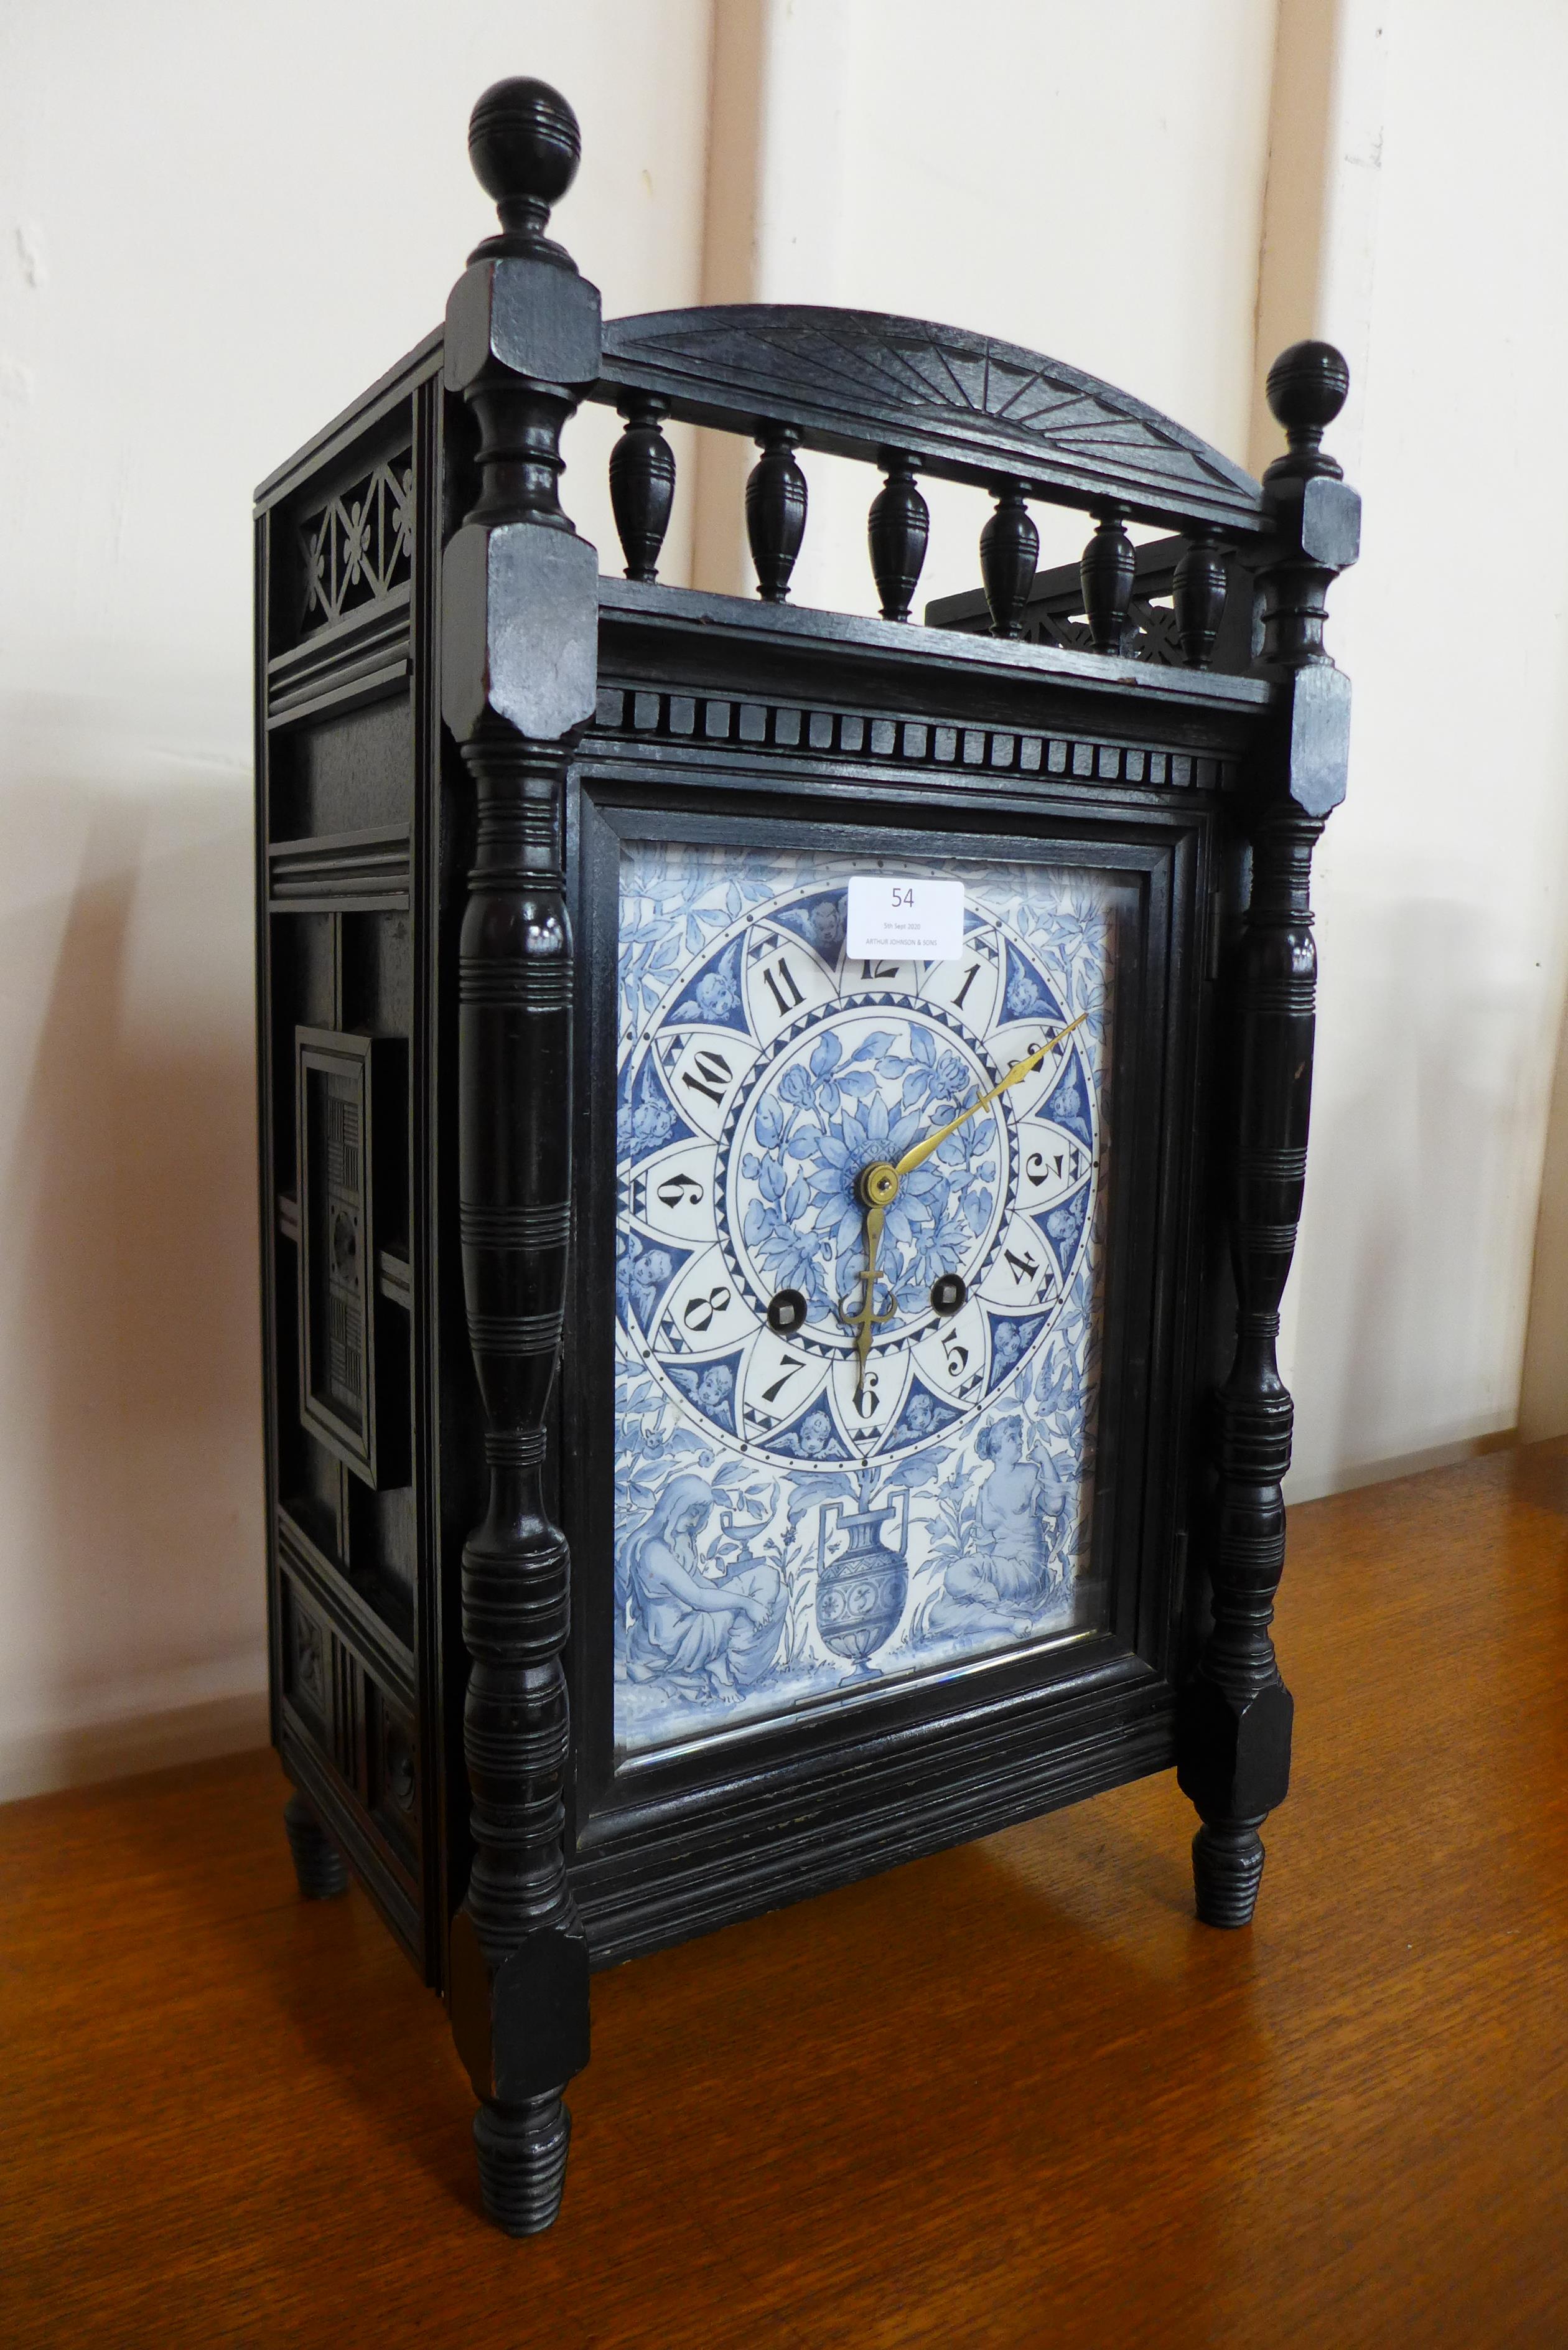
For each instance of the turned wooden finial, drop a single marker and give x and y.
(524, 145)
(1314, 515)
(1307, 387)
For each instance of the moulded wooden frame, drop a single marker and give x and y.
(667, 1843)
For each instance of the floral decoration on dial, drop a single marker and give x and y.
(857, 1353)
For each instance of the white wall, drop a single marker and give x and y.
(216, 226)
(1167, 197)
(207, 244)
(1443, 912)
(1085, 181)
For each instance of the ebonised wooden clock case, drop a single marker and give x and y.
(458, 719)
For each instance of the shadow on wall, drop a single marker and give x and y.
(132, 1623)
(1412, 1161)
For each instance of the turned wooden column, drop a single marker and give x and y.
(776, 503)
(1235, 1719)
(520, 620)
(897, 530)
(1009, 551)
(1106, 575)
(642, 483)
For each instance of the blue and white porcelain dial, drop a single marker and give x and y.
(762, 1071)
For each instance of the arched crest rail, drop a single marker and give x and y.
(964, 407)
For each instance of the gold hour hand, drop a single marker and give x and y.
(918, 1154)
(865, 1320)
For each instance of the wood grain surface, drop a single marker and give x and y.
(1014, 2095)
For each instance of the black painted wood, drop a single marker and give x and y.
(897, 529)
(1235, 1742)
(458, 723)
(642, 483)
(965, 407)
(317, 1863)
(1053, 614)
(775, 511)
(1198, 586)
(1009, 551)
(1107, 572)
(519, 1965)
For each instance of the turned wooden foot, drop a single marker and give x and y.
(1234, 1766)
(1227, 1869)
(522, 2162)
(317, 1863)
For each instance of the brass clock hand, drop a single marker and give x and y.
(865, 1319)
(879, 1185)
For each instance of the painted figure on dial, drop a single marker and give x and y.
(1012, 1570)
(858, 1259)
(695, 1635)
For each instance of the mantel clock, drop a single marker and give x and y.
(781, 1132)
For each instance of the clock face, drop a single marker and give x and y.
(845, 1451)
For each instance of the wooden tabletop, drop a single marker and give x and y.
(1014, 2094)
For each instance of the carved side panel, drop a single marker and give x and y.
(339, 1397)
(344, 658)
(307, 1665)
(359, 545)
(348, 1730)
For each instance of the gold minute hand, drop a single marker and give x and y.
(918, 1154)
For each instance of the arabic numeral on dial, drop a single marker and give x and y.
(701, 1313)
(791, 1365)
(680, 1191)
(968, 980)
(779, 977)
(878, 970)
(958, 1358)
(1025, 1269)
(1039, 1167)
(865, 1402)
(712, 1074)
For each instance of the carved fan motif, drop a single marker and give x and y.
(965, 403)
